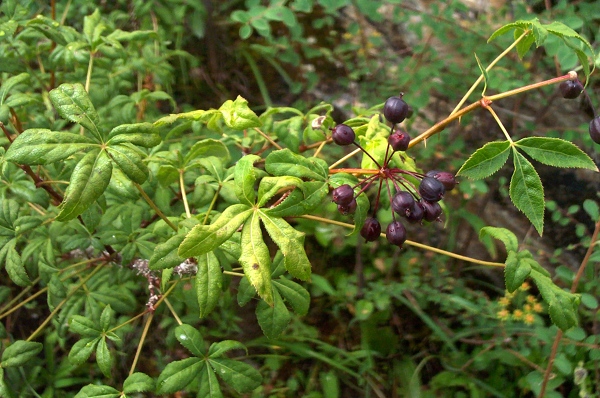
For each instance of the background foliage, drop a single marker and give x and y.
(100, 302)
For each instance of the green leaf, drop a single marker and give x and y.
(84, 326)
(96, 391)
(82, 349)
(190, 338)
(106, 318)
(177, 375)
(73, 103)
(241, 376)
(273, 319)
(507, 237)
(508, 27)
(88, 181)
(218, 349)
(287, 163)
(130, 162)
(19, 353)
(484, 73)
(562, 305)
(198, 115)
(140, 134)
(208, 147)
(138, 382)
(14, 265)
(238, 115)
(295, 295)
(515, 272)
(301, 201)
(255, 259)
(486, 160)
(50, 28)
(556, 152)
(245, 177)
(270, 186)
(11, 82)
(42, 146)
(291, 243)
(165, 254)
(205, 238)
(103, 357)
(209, 385)
(526, 191)
(209, 283)
(564, 32)
(246, 292)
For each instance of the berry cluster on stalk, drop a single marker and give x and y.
(571, 89)
(409, 202)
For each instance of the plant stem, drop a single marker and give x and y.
(233, 273)
(88, 78)
(183, 195)
(154, 207)
(569, 76)
(59, 306)
(574, 286)
(128, 321)
(410, 243)
(177, 319)
(354, 171)
(342, 160)
(495, 116)
(141, 343)
(266, 137)
(212, 205)
(490, 66)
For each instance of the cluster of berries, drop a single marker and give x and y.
(571, 89)
(412, 203)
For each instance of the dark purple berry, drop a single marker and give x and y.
(350, 208)
(396, 233)
(431, 211)
(399, 140)
(444, 177)
(395, 110)
(410, 112)
(343, 135)
(371, 229)
(431, 189)
(571, 89)
(402, 202)
(595, 129)
(343, 194)
(416, 213)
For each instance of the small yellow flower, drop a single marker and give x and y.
(529, 319)
(527, 308)
(531, 299)
(518, 314)
(503, 315)
(525, 286)
(504, 301)
(537, 307)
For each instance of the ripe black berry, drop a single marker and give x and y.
(395, 110)
(431, 211)
(571, 89)
(371, 229)
(343, 135)
(350, 208)
(431, 189)
(595, 129)
(444, 177)
(399, 140)
(416, 213)
(396, 233)
(402, 202)
(343, 194)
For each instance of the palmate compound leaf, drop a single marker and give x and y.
(486, 160)
(556, 152)
(526, 191)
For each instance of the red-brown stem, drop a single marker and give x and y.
(574, 285)
(354, 171)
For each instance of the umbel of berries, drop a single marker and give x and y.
(395, 109)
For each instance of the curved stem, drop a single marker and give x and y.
(154, 207)
(59, 306)
(183, 195)
(410, 243)
(490, 66)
